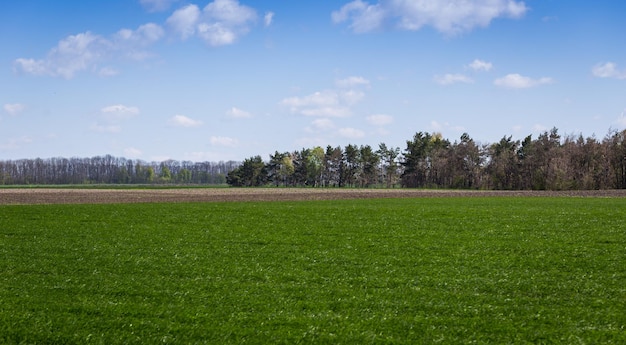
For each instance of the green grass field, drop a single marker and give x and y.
(390, 271)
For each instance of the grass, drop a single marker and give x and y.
(392, 271)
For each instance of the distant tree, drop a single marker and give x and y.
(389, 165)
(315, 165)
(280, 168)
(251, 173)
(333, 164)
(503, 164)
(351, 170)
(368, 161)
(165, 175)
(417, 160)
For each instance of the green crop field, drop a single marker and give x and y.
(386, 271)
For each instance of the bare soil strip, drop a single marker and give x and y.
(31, 196)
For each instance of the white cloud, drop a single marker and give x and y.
(480, 65)
(447, 16)
(351, 133)
(237, 113)
(156, 5)
(449, 79)
(119, 112)
(73, 54)
(184, 121)
(317, 99)
(323, 124)
(84, 51)
(364, 17)
(221, 22)
(516, 81)
(379, 119)
(329, 103)
(608, 70)
(184, 20)
(144, 35)
(325, 104)
(114, 115)
(351, 97)
(352, 82)
(224, 141)
(268, 18)
(13, 109)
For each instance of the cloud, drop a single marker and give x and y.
(184, 21)
(352, 82)
(73, 54)
(379, 119)
(184, 121)
(144, 35)
(351, 133)
(13, 109)
(516, 81)
(329, 103)
(323, 124)
(268, 18)
(608, 70)
(156, 5)
(85, 51)
(364, 17)
(480, 65)
(447, 16)
(224, 141)
(113, 116)
(221, 22)
(238, 113)
(449, 79)
(119, 112)
(325, 104)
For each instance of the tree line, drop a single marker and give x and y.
(548, 162)
(111, 170)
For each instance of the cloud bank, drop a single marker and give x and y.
(446, 16)
(219, 23)
(608, 70)
(516, 81)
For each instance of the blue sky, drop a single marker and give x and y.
(227, 79)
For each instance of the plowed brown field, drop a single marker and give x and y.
(102, 196)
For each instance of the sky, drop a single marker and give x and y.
(229, 79)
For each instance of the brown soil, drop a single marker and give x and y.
(106, 196)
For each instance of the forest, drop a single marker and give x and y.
(111, 170)
(548, 162)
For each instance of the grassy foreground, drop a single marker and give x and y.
(432, 270)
